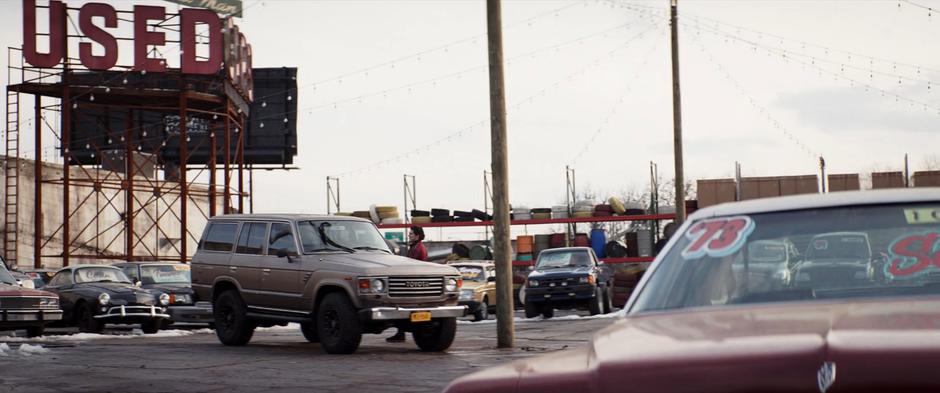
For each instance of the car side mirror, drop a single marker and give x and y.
(530, 267)
(491, 279)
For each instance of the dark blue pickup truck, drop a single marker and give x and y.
(568, 278)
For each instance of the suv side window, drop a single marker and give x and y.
(281, 238)
(251, 240)
(221, 237)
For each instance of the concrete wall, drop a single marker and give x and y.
(96, 226)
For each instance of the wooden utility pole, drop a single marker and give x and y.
(501, 246)
(677, 115)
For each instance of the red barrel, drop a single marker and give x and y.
(582, 240)
(556, 240)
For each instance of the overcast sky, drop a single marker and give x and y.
(770, 84)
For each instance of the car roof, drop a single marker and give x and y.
(562, 249)
(811, 201)
(148, 263)
(74, 267)
(286, 217)
(470, 263)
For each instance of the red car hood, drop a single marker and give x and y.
(875, 346)
(13, 290)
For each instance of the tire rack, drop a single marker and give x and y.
(645, 217)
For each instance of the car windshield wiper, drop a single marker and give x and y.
(327, 240)
(325, 249)
(368, 248)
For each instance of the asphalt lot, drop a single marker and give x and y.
(277, 359)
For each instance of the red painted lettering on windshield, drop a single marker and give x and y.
(717, 237)
(914, 254)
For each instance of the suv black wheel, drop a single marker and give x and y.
(548, 311)
(483, 312)
(152, 326)
(232, 325)
(532, 310)
(338, 326)
(596, 304)
(437, 337)
(87, 323)
(35, 331)
(309, 330)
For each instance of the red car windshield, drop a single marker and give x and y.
(817, 254)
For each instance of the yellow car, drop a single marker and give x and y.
(479, 287)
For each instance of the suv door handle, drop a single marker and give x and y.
(266, 270)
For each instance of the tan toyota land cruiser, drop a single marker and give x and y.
(334, 275)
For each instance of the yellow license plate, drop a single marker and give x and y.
(420, 316)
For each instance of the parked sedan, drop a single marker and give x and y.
(697, 322)
(94, 295)
(478, 292)
(24, 308)
(173, 279)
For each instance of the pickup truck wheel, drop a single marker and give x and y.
(232, 325)
(338, 326)
(436, 338)
(483, 312)
(35, 331)
(86, 320)
(309, 330)
(596, 304)
(531, 310)
(608, 300)
(151, 327)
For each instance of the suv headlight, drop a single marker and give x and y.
(180, 298)
(49, 302)
(451, 284)
(586, 279)
(164, 299)
(104, 298)
(372, 285)
(533, 283)
(466, 294)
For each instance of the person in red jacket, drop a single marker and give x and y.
(416, 250)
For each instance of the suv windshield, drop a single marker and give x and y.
(340, 235)
(831, 253)
(165, 274)
(556, 259)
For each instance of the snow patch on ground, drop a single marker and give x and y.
(492, 319)
(28, 350)
(136, 333)
(290, 327)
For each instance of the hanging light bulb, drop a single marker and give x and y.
(144, 133)
(285, 120)
(125, 80)
(87, 146)
(214, 117)
(261, 125)
(264, 104)
(107, 89)
(289, 98)
(74, 105)
(188, 138)
(143, 72)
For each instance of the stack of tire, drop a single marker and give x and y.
(521, 213)
(363, 214)
(441, 215)
(420, 216)
(603, 210)
(625, 280)
(481, 215)
(541, 213)
(387, 214)
(463, 216)
(583, 209)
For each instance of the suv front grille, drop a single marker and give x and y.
(415, 286)
(558, 282)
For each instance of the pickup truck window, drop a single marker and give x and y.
(281, 239)
(251, 239)
(221, 237)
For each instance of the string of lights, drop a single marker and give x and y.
(930, 10)
(839, 75)
(510, 110)
(434, 81)
(417, 56)
(613, 110)
(750, 99)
